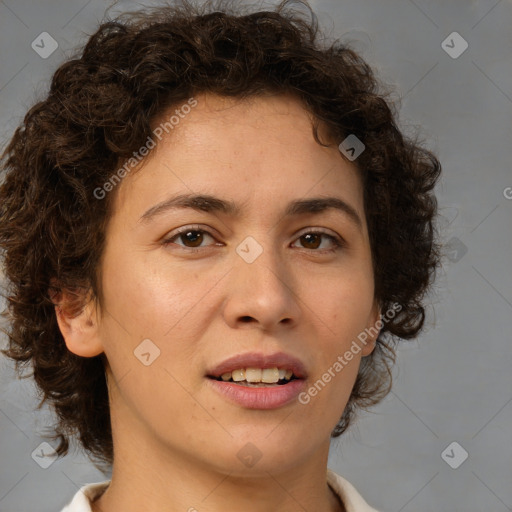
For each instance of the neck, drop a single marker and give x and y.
(165, 475)
(191, 488)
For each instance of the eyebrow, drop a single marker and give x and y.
(211, 204)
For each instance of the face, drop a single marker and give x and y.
(204, 285)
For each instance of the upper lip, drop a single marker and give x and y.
(259, 360)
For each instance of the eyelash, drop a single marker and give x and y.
(337, 242)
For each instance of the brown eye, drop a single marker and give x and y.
(190, 238)
(313, 240)
(195, 238)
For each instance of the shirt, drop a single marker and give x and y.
(347, 493)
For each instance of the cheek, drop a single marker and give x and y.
(150, 310)
(341, 311)
(343, 301)
(148, 296)
(150, 300)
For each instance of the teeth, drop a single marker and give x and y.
(270, 375)
(255, 375)
(238, 375)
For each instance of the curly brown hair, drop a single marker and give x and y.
(101, 107)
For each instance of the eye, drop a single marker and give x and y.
(191, 236)
(312, 240)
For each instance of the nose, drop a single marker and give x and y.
(262, 293)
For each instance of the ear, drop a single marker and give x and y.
(372, 329)
(78, 320)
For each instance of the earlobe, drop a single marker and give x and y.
(78, 325)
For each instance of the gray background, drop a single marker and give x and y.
(454, 383)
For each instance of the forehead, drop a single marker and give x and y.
(260, 147)
(215, 117)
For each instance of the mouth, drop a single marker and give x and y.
(254, 368)
(258, 381)
(257, 377)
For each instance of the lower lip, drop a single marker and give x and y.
(259, 398)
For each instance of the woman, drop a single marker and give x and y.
(215, 234)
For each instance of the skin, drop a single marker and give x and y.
(175, 439)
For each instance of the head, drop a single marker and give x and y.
(249, 108)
